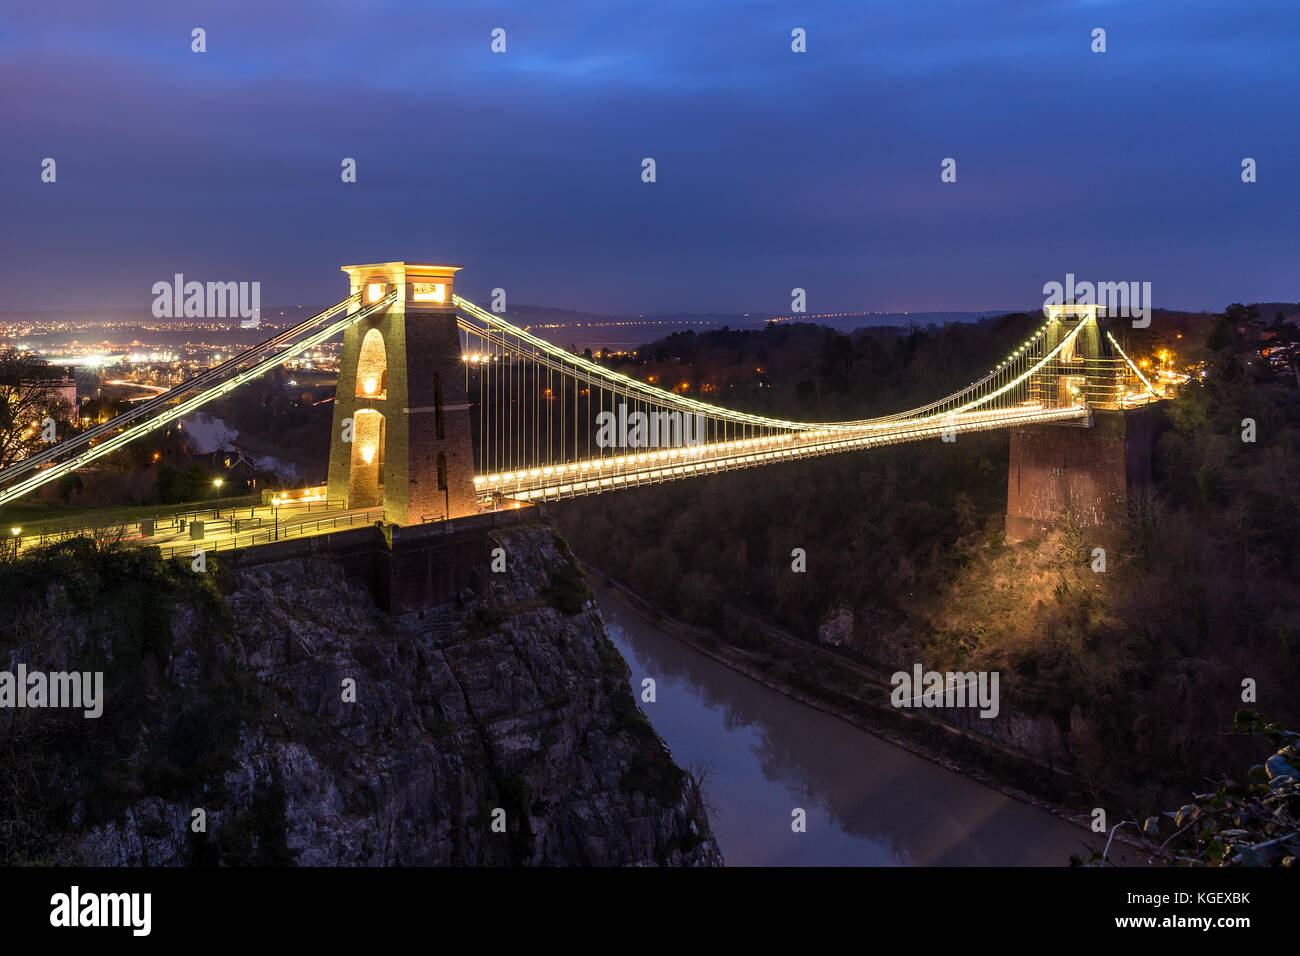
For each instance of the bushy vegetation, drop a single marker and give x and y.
(1138, 667)
(1256, 823)
(1203, 596)
(569, 591)
(87, 607)
(705, 550)
(882, 530)
(192, 484)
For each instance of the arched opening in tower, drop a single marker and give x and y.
(372, 367)
(366, 482)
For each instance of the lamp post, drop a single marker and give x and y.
(217, 482)
(275, 509)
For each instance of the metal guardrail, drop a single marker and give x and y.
(43, 534)
(108, 517)
(270, 536)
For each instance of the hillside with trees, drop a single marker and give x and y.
(1138, 669)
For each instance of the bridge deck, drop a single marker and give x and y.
(656, 465)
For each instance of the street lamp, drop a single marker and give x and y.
(275, 508)
(217, 482)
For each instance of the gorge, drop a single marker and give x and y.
(226, 693)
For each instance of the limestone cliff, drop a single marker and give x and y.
(227, 692)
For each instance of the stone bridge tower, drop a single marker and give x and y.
(1087, 475)
(401, 400)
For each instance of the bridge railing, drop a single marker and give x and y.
(126, 524)
(271, 535)
(74, 525)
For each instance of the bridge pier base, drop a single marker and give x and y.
(1088, 475)
(404, 568)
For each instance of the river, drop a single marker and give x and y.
(867, 802)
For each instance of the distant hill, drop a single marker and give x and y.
(539, 315)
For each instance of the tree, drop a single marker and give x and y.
(194, 483)
(26, 399)
(698, 805)
(176, 487)
(1251, 824)
(837, 361)
(67, 485)
(168, 488)
(1240, 314)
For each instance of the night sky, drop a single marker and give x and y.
(775, 169)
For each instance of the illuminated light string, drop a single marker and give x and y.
(527, 364)
(1131, 365)
(639, 391)
(543, 480)
(731, 438)
(184, 408)
(199, 381)
(540, 490)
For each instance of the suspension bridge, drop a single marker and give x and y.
(444, 409)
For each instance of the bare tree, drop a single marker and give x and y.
(107, 533)
(698, 805)
(27, 397)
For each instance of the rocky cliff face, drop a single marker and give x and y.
(311, 728)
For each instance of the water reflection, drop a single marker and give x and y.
(868, 802)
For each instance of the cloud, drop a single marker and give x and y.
(526, 165)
